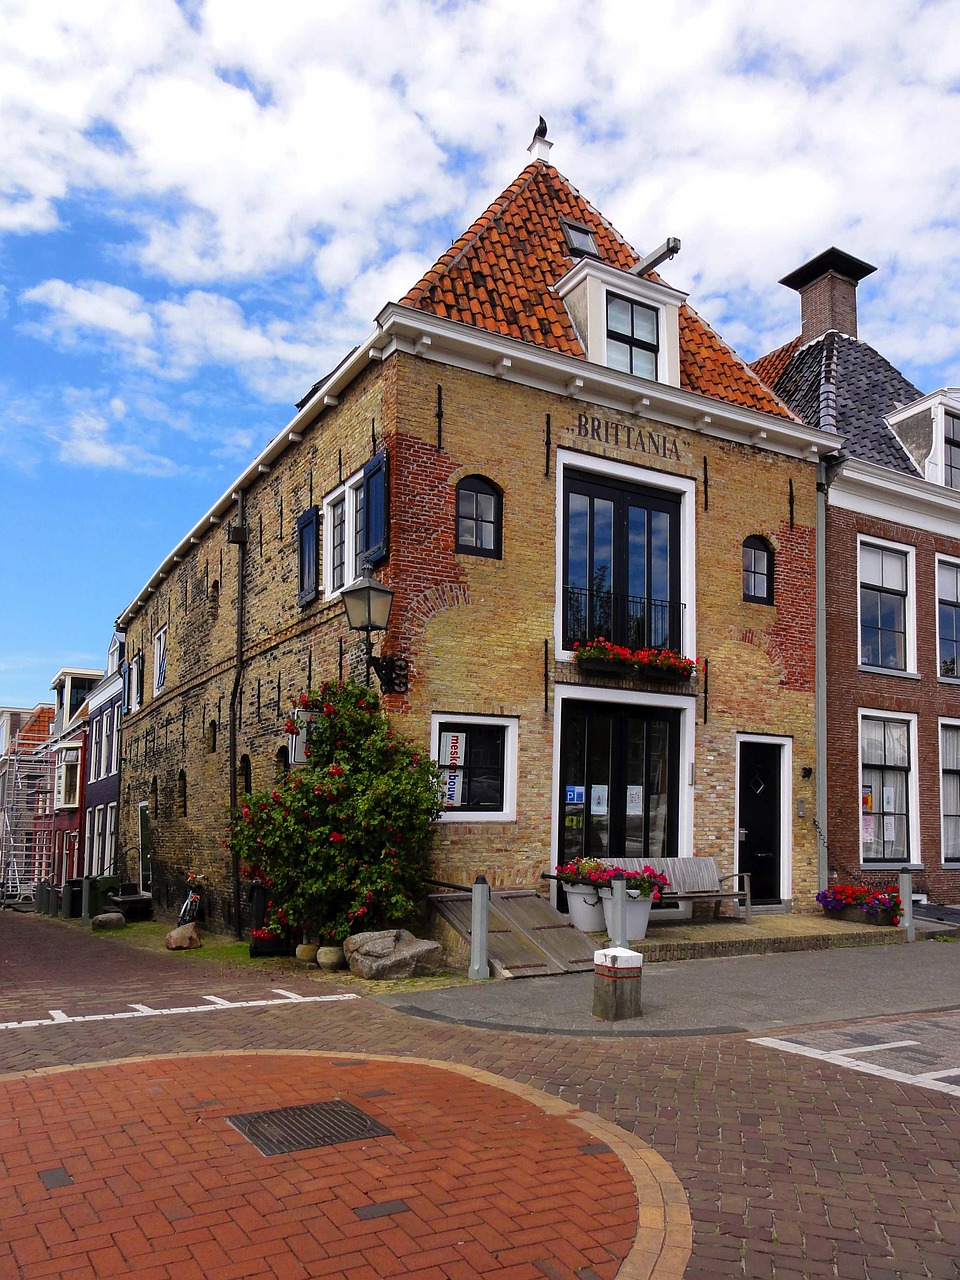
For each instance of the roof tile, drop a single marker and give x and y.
(500, 273)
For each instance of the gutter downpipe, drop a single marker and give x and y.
(234, 696)
(827, 469)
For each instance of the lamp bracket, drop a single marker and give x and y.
(391, 672)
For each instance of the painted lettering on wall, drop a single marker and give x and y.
(624, 435)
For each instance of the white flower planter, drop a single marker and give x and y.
(638, 913)
(586, 909)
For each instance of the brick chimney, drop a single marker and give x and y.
(827, 285)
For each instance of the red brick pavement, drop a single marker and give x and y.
(793, 1169)
(151, 1180)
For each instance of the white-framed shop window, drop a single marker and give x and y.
(478, 758)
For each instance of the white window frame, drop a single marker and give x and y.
(133, 676)
(511, 725)
(98, 817)
(89, 845)
(93, 772)
(110, 840)
(908, 718)
(351, 492)
(954, 564)
(605, 468)
(160, 660)
(910, 605)
(687, 708)
(944, 722)
(61, 801)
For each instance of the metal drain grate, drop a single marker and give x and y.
(317, 1124)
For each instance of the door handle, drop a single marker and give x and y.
(742, 834)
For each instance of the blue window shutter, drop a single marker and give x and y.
(375, 509)
(307, 568)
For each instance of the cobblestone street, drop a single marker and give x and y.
(791, 1166)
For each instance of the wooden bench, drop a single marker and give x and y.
(693, 880)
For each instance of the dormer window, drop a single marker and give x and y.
(579, 239)
(632, 336)
(625, 322)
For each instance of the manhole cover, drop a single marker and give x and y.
(317, 1124)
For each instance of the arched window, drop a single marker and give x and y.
(182, 793)
(245, 776)
(479, 517)
(211, 735)
(757, 570)
(283, 763)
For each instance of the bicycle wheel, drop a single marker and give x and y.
(188, 912)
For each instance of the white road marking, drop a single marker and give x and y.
(875, 1048)
(841, 1058)
(59, 1018)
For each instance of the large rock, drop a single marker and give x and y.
(392, 953)
(109, 920)
(186, 938)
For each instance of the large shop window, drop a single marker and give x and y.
(621, 563)
(883, 607)
(948, 618)
(477, 758)
(356, 524)
(619, 781)
(950, 791)
(885, 790)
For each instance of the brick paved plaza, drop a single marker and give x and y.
(512, 1154)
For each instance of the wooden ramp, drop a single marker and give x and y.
(527, 938)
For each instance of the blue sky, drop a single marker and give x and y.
(203, 206)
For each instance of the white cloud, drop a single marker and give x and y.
(355, 139)
(114, 313)
(85, 441)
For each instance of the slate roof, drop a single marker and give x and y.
(867, 388)
(499, 276)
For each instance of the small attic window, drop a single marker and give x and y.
(579, 239)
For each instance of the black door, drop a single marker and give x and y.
(619, 781)
(760, 818)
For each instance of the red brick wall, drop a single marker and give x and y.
(851, 689)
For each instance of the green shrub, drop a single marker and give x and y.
(342, 843)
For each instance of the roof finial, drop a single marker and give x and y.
(539, 147)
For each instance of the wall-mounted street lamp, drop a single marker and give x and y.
(367, 605)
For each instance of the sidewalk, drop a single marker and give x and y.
(771, 1165)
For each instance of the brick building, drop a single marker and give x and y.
(540, 443)
(891, 592)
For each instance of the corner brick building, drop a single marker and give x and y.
(540, 443)
(890, 592)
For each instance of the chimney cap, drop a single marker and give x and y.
(844, 264)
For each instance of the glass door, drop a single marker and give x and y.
(619, 781)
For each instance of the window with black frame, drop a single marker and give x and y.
(471, 759)
(757, 556)
(883, 607)
(633, 336)
(948, 618)
(951, 451)
(479, 519)
(621, 563)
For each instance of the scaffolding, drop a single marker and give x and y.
(26, 809)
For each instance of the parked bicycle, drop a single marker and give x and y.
(191, 903)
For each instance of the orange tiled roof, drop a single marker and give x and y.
(770, 366)
(499, 275)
